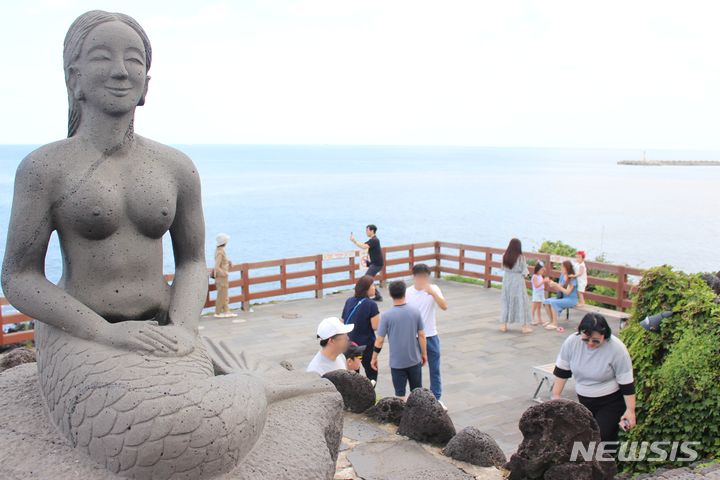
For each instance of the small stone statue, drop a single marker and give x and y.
(122, 371)
(220, 273)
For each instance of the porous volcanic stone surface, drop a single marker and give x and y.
(476, 447)
(425, 420)
(549, 431)
(15, 357)
(357, 392)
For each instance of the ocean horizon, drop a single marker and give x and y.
(291, 200)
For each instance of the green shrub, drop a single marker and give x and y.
(463, 279)
(677, 371)
(557, 248)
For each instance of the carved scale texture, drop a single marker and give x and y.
(148, 417)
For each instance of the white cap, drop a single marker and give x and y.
(332, 326)
(222, 239)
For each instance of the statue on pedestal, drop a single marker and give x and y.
(122, 371)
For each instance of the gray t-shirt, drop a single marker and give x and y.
(598, 372)
(401, 325)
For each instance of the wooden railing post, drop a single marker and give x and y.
(411, 257)
(351, 262)
(283, 276)
(488, 269)
(548, 271)
(461, 261)
(622, 280)
(2, 330)
(548, 265)
(245, 275)
(437, 260)
(318, 277)
(383, 270)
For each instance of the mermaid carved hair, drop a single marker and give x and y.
(77, 33)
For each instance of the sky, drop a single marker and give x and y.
(546, 73)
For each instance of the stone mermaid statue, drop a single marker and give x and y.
(122, 371)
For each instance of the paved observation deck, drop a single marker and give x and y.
(487, 375)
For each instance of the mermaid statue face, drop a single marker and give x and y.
(110, 74)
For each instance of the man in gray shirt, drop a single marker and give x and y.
(403, 325)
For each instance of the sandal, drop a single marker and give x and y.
(504, 328)
(560, 329)
(550, 326)
(527, 330)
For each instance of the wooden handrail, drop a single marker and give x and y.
(479, 262)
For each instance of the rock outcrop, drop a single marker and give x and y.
(357, 392)
(549, 432)
(387, 410)
(425, 420)
(476, 447)
(15, 357)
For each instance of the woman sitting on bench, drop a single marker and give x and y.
(567, 296)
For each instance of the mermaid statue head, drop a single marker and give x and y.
(107, 70)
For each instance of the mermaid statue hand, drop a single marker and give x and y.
(147, 336)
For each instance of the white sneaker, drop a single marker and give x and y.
(443, 405)
(230, 315)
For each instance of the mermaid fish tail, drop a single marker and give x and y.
(143, 416)
(281, 384)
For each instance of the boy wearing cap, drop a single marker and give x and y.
(353, 357)
(334, 340)
(405, 330)
(220, 274)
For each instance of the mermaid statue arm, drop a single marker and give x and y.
(23, 272)
(190, 284)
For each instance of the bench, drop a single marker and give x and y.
(608, 313)
(544, 375)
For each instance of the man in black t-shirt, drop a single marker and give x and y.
(375, 254)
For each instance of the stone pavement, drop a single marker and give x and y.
(374, 452)
(488, 381)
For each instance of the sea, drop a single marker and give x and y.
(279, 201)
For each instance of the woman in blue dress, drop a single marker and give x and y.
(568, 287)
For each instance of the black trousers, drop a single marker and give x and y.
(607, 411)
(402, 376)
(366, 359)
(373, 270)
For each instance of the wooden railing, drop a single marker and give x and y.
(485, 263)
(17, 319)
(252, 281)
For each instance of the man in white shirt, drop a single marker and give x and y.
(334, 340)
(426, 297)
